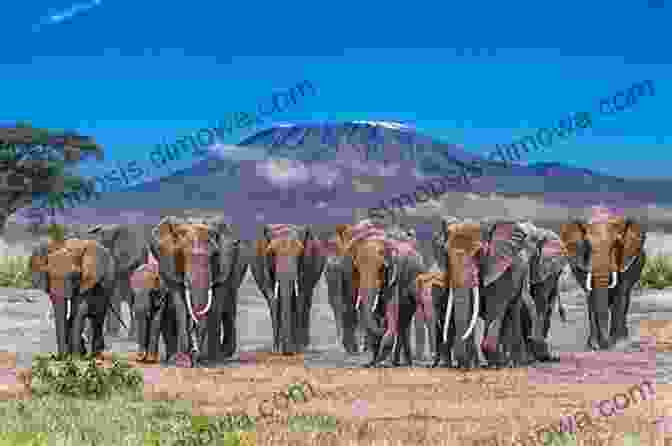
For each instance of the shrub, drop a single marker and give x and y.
(83, 378)
(24, 439)
(15, 272)
(657, 272)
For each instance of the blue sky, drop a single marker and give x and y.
(131, 74)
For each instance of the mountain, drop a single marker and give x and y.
(321, 160)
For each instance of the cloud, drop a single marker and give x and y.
(60, 17)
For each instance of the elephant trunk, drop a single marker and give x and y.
(599, 280)
(198, 290)
(285, 298)
(368, 301)
(603, 274)
(286, 315)
(464, 275)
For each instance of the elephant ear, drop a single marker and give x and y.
(162, 243)
(92, 262)
(39, 267)
(343, 238)
(571, 235)
(551, 259)
(229, 251)
(439, 240)
(632, 242)
(124, 243)
(465, 238)
(505, 242)
(313, 260)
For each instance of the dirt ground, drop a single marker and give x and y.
(408, 406)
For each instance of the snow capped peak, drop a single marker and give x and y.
(386, 124)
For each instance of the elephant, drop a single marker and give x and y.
(202, 265)
(152, 314)
(128, 245)
(289, 261)
(547, 263)
(385, 264)
(606, 255)
(338, 274)
(487, 270)
(78, 276)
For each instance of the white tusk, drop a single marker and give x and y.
(296, 288)
(359, 300)
(588, 282)
(449, 310)
(614, 280)
(68, 306)
(275, 293)
(472, 324)
(207, 307)
(221, 333)
(375, 302)
(187, 296)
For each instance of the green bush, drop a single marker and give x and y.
(24, 439)
(657, 272)
(15, 272)
(83, 378)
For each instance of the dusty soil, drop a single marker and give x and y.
(404, 406)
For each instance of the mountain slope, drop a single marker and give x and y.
(317, 185)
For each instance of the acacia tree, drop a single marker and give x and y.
(33, 164)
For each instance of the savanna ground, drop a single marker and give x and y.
(350, 405)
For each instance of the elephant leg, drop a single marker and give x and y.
(155, 328)
(169, 331)
(213, 325)
(419, 328)
(181, 321)
(98, 335)
(304, 308)
(112, 325)
(79, 314)
(142, 308)
(517, 345)
(335, 297)
(274, 305)
(598, 310)
(620, 298)
(351, 331)
(405, 320)
(62, 328)
(229, 345)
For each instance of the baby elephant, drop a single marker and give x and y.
(152, 313)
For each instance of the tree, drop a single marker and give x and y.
(33, 164)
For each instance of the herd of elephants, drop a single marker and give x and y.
(182, 277)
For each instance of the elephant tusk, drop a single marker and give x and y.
(614, 280)
(187, 296)
(359, 300)
(589, 285)
(449, 310)
(68, 306)
(472, 324)
(296, 288)
(275, 292)
(375, 302)
(207, 307)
